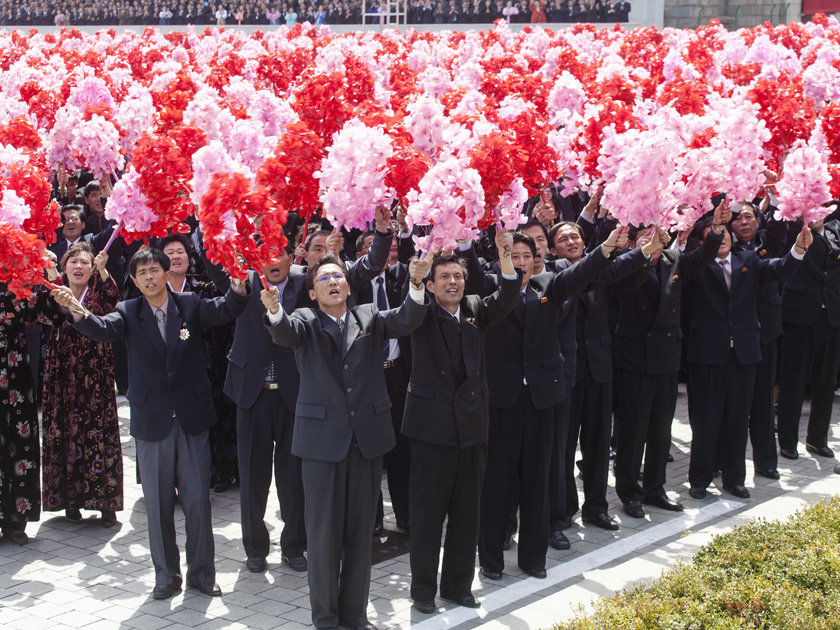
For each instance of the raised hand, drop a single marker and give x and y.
(100, 261)
(616, 239)
(804, 240)
(419, 268)
(271, 299)
(722, 214)
(383, 218)
(335, 242)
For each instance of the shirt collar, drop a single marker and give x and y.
(728, 259)
(164, 307)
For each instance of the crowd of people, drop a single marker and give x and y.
(471, 377)
(263, 12)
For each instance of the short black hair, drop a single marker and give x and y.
(177, 238)
(90, 187)
(532, 222)
(72, 208)
(552, 233)
(146, 255)
(360, 242)
(329, 259)
(439, 261)
(74, 250)
(519, 237)
(308, 243)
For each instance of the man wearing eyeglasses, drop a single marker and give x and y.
(342, 428)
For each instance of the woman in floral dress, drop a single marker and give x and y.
(82, 464)
(20, 491)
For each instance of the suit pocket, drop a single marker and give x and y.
(382, 405)
(136, 397)
(419, 390)
(552, 362)
(311, 411)
(237, 360)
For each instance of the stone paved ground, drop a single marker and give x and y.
(85, 576)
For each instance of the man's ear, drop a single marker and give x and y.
(312, 295)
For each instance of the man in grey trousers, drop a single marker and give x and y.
(342, 428)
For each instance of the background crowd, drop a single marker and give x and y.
(163, 12)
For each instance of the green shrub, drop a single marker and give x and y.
(762, 576)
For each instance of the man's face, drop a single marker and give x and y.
(179, 261)
(278, 272)
(71, 188)
(317, 250)
(745, 224)
(72, 226)
(522, 258)
(151, 279)
(568, 244)
(725, 245)
(330, 288)
(366, 241)
(536, 233)
(447, 285)
(816, 225)
(393, 253)
(94, 202)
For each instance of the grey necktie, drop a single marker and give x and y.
(340, 323)
(727, 274)
(161, 324)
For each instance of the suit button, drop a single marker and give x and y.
(349, 389)
(443, 373)
(527, 343)
(346, 367)
(650, 334)
(352, 413)
(669, 334)
(169, 373)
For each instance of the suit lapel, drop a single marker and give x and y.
(532, 303)
(717, 272)
(352, 331)
(330, 327)
(469, 340)
(737, 263)
(149, 325)
(173, 328)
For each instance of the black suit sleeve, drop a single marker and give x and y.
(221, 310)
(405, 249)
(402, 321)
(696, 260)
(289, 331)
(371, 264)
(574, 279)
(103, 328)
(497, 305)
(478, 282)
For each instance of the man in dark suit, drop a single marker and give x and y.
(342, 428)
(724, 347)
(646, 360)
(811, 342)
(766, 242)
(525, 378)
(171, 409)
(446, 419)
(590, 404)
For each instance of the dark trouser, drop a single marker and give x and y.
(183, 461)
(762, 431)
(557, 467)
(810, 354)
(518, 455)
(643, 417)
(340, 509)
(590, 416)
(718, 411)
(398, 461)
(445, 482)
(264, 434)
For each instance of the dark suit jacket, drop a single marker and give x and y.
(253, 349)
(396, 286)
(166, 382)
(439, 407)
(525, 344)
(723, 318)
(647, 336)
(769, 298)
(342, 390)
(816, 283)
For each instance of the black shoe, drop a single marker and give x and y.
(770, 474)
(716, 474)
(508, 541)
(822, 451)
(18, 537)
(837, 469)
(670, 459)
(789, 453)
(364, 626)
(467, 601)
(738, 490)
(221, 487)
(559, 541)
(255, 565)
(165, 591)
(298, 564)
(425, 606)
(491, 575)
(211, 589)
(378, 529)
(537, 573)
(109, 518)
(664, 503)
(695, 492)
(403, 525)
(634, 509)
(74, 515)
(601, 519)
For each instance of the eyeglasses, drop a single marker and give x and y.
(334, 276)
